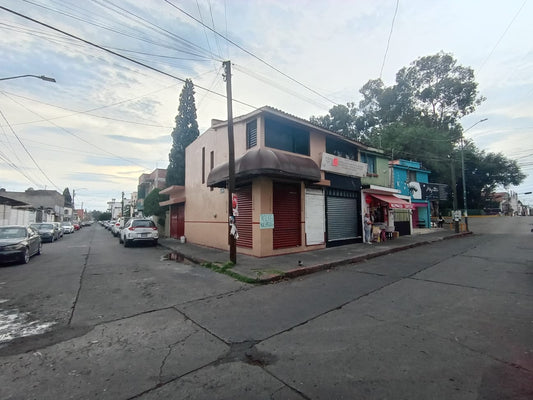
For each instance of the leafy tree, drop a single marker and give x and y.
(418, 119)
(185, 132)
(67, 197)
(484, 172)
(104, 216)
(152, 207)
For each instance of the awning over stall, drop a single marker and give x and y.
(266, 162)
(394, 202)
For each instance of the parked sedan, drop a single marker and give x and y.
(139, 230)
(18, 243)
(67, 226)
(47, 231)
(59, 229)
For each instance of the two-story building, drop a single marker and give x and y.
(410, 178)
(298, 186)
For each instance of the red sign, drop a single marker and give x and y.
(235, 204)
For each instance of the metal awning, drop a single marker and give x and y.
(394, 202)
(266, 162)
(176, 195)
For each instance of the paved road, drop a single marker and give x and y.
(451, 320)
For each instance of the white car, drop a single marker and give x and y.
(139, 230)
(67, 227)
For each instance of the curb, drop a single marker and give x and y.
(297, 272)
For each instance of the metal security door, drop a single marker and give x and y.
(342, 217)
(244, 219)
(286, 208)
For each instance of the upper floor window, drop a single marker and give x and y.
(370, 160)
(341, 148)
(251, 134)
(283, 136)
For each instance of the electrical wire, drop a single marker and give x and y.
(118, 54)
(28, 152)
(388, 40)
(78, 137)
(250, 53)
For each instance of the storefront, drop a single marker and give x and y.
(388, 210)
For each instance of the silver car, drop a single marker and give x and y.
(139, 230)
(47, 231)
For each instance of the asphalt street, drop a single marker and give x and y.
(451, 320)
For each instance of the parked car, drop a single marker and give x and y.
(67, 226)
(110, 224)
(47, 231)
(76, 226)
(59, 229)
(118, 225)
(18, 243)
(139, 230)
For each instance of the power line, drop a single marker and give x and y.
(78, 137)
(119, 55)
(250, 53)
(502, 36)
(27, 151)
(388, 40)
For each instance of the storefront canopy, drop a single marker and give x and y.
(266, 162)
(394, 202)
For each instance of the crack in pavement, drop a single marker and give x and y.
(73, 308)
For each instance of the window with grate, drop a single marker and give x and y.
(251, 134)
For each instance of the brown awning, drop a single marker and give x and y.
(266, 162)
(176, 194)
(394, 202)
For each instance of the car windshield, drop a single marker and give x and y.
(65, 224)
(143, 223)
(43, 226)
(12, 233)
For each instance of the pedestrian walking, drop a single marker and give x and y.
(368, 229)
(440, 221)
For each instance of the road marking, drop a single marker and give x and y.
(15, 324)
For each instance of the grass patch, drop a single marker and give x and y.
(226, 270)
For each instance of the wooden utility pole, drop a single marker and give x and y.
(231, 164)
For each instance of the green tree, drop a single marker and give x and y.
(152, 207)
(67, 197)
(418, 117)
(185, 132)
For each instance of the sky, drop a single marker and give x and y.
(106, 119)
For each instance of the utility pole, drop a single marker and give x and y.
(454, 194)
(231, 164)
(122, 209)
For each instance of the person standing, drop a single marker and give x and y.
(368, 229)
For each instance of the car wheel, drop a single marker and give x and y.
(155, 242)
(39, 249)
(120, 240)
(25, 256)
(126, 242)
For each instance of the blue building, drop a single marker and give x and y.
(410, 179)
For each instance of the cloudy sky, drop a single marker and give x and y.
(106, 120)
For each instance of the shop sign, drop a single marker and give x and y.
(266, 221)
(434, 191)
(342, 166)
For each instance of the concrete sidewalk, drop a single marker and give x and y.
(268, 269)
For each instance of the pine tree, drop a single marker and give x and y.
(185, 132)
(68, 198)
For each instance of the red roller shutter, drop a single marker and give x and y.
(286, 208)
(244, 220)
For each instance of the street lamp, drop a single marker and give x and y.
(44, 78)
(463, 170)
